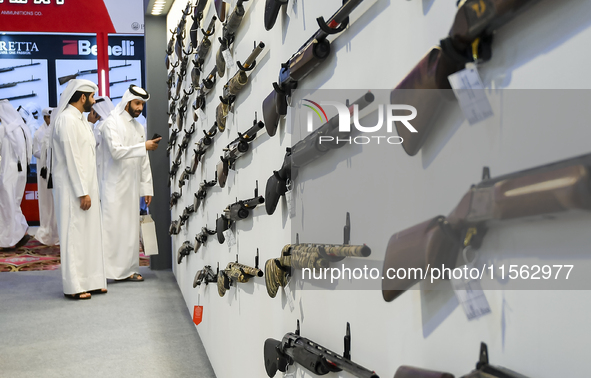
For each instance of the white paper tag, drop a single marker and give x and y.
(288, 295)
(471, 297)
(231, 175)
(229, 120)
(230, 238)
(289, 197)
(292, 8)
(469, 91)
(227, 54)
(202, 116)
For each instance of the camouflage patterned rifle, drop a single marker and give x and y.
(237, 211)
(235, 85)
(306, 151)
(12, 68)
(311, 356)
(235, 149)
(236, 272)
(202, 192)
(206, 276)
(483, 370)
(201, 238)
(272, 8)
(183, 251)
(229, 32)
(310, 256)
(202, 51)
(426, 86)
(64, 79)
(543, 190)
(197, 17)
(15, 83)
(305, 60)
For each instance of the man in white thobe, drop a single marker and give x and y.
(126, 178)
(16, 151)
(97, 116)
(76, 193)
(47, 233)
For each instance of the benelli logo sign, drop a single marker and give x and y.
(84, 47)
(348, 115)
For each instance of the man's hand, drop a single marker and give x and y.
(148, 200)
(93, 116)
(85, 202)
(152, 144)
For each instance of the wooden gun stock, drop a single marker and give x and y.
(558, 187)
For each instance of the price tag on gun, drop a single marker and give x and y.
(469, 91)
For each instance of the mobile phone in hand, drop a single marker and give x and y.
(156, 136)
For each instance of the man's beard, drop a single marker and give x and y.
(133, 113)
(87, 106)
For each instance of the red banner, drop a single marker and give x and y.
(55, 16)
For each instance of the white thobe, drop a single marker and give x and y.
(74, 176)
(126, 178)
(15, 146)
(47, 232)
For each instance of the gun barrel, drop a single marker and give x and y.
(310, 149)
(8, 69)
(253, 55)
(33, 94)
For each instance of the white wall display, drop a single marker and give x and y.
(538, 90)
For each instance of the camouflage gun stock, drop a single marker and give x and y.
(426, 86)
(236, 272)
(309, 256)
(183, 251)
(15, 83)
(201, 238)
(205, 276)
(12, 68)
(202, 191)
(228, 34)
(305, 60)
(235, 85)
(548, 189)
(311, 356)
(306, 151)
(272, 8)
(237, 211)
(236, 149)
